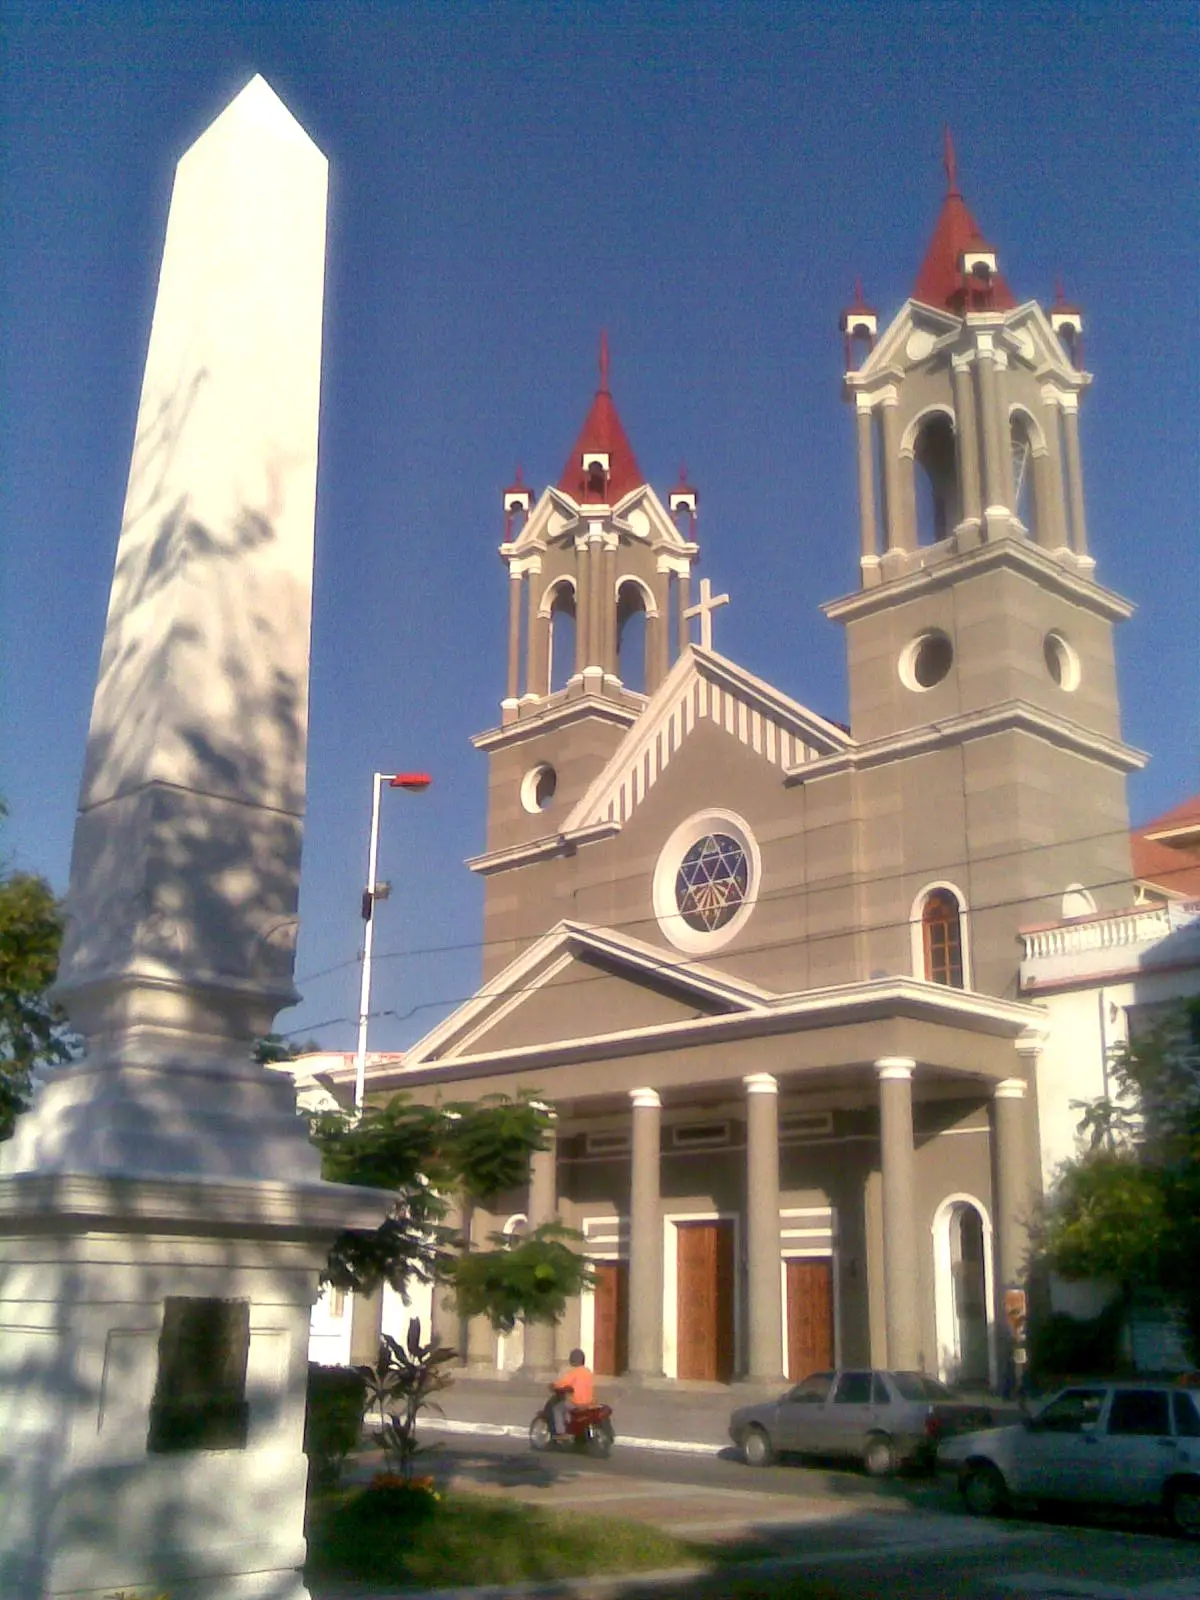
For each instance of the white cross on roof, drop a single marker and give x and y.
(704, 609)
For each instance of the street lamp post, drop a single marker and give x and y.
(413, 783)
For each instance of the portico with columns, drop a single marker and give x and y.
(762, 962)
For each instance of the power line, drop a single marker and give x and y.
(667, 965)
(770, 896)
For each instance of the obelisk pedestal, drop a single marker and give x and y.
(162, 1215)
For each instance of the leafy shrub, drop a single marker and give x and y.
(1063, 1346)
(332, 1421)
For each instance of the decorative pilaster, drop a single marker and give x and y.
(966, 443)
(996, 512)
(542, 1208)
(516, 578)
(608, 605)
(1052, 506)
(762, 1227)
(893, 509)
(537, 641)
(898, 1170)
(658, 637)
(683, 599)
(645, 1238)
(583, 604)
(1070, 414)
(594, 668)
(868, 529)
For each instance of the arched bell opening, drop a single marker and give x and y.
(561, 646)
(935, 467)
(633, 636)
(1027, 469)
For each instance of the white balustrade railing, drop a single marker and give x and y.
(1142, 925)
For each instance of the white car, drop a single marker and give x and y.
(1125, 1444)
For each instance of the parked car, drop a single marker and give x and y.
(1120, 1444)
(883, 1419)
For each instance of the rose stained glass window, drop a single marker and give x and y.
(711, 882)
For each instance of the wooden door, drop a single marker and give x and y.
(610, 1355)
(809, 1317)
(704, 1302)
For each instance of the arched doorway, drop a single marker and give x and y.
(963, 1287)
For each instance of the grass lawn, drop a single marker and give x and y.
(400, 1538)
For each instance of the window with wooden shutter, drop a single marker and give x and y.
(942, 927)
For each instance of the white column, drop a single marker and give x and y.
(645, 1238)
(900, 1260)
(762, 1227)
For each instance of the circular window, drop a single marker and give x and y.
(706, 881)
(1061, 661)
(711, 883)
(926, 660)
(537, 787)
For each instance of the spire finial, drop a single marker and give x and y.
(950, 162)
(1059, 297)
(683, 472)
(604, 360)
(858, 299)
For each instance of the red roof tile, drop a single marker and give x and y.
(1174, 867)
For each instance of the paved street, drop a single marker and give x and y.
(905, 1538)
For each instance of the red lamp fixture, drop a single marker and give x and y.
(414, 782)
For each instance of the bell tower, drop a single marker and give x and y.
(599, 590)
(980, 645)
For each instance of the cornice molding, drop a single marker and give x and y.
(1026, 558)
(543, 849)
(795, 1013)
(1011, 714)
(558, 716)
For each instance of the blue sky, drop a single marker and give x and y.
(702, 180)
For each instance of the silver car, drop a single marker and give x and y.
(1124, 1444)
(883, 1419)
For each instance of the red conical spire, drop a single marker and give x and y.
(602, 435)
(940, 282)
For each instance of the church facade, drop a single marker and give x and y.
(765, 966)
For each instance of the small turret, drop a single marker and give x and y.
(1067, 322)
(860, 326)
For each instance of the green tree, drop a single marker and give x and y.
(33, 1030)
(1129, 1207)
(430, 1156)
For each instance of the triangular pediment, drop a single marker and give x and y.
(570, 984)
(638, 515)
(703, 687)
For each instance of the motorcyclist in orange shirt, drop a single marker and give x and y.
(574, 1387)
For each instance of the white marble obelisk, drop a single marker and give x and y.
(164, 1184)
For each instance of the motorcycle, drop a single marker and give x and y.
(588, 1428)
